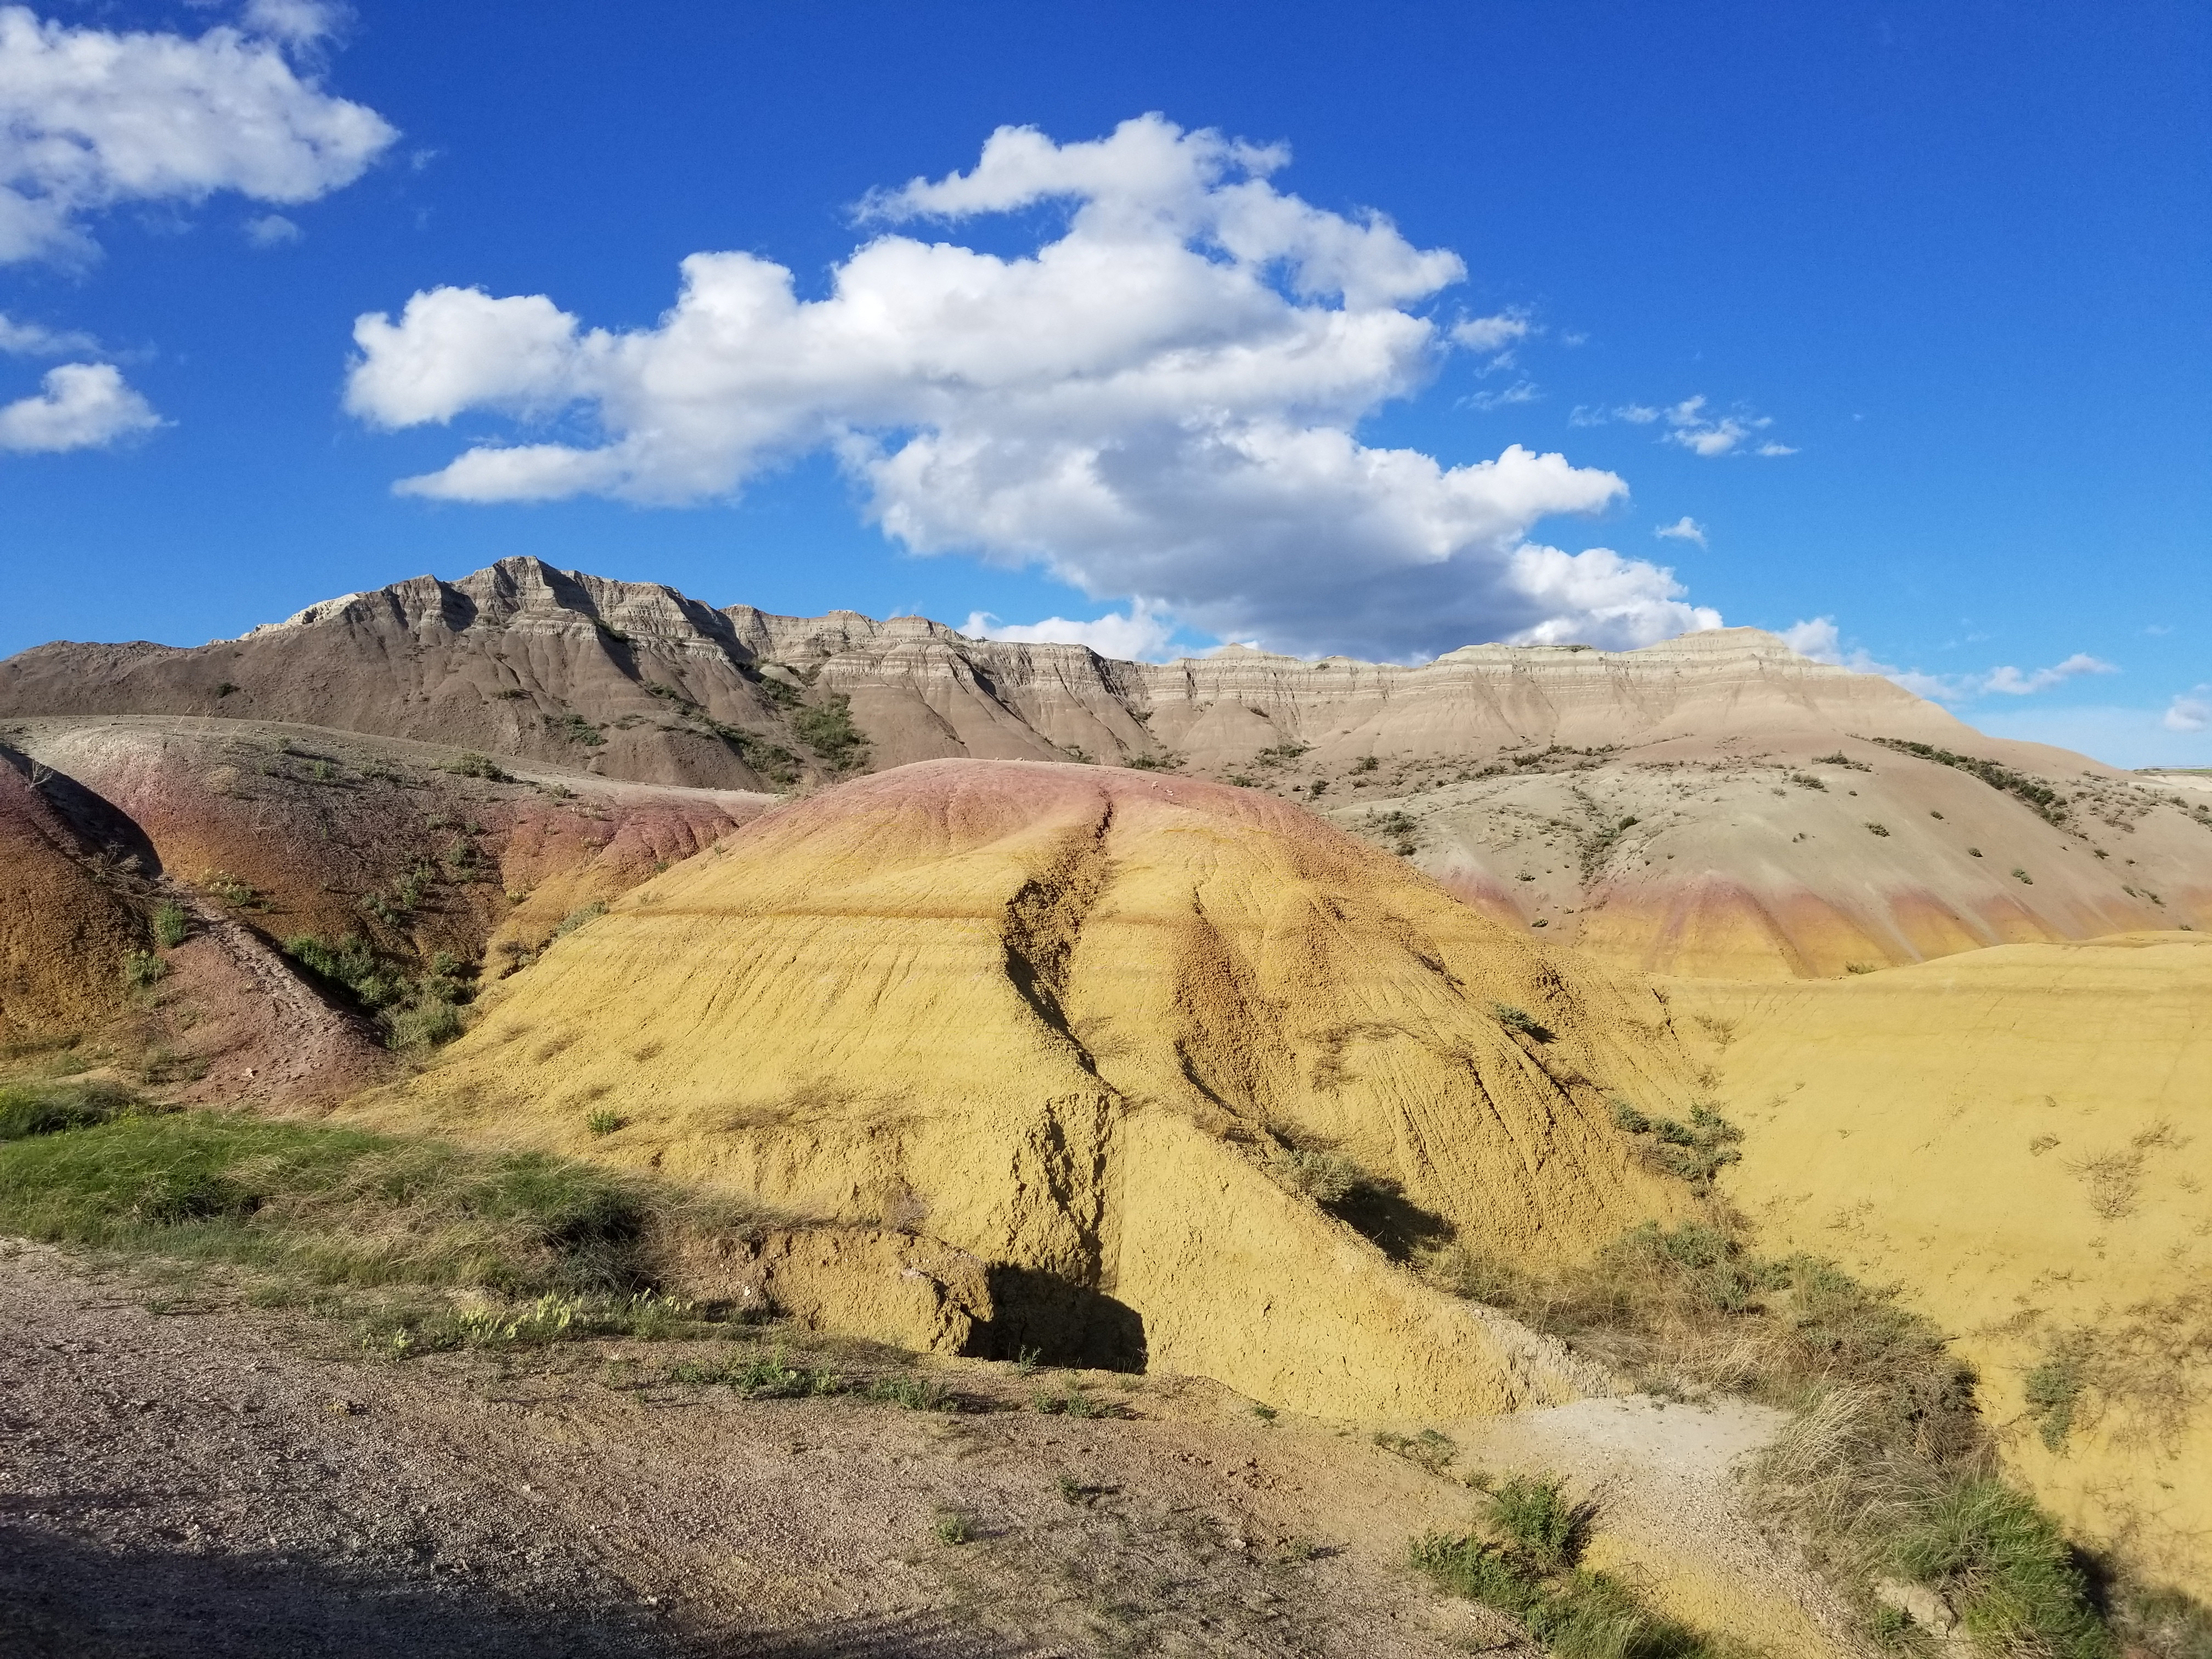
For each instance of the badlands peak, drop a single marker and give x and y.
(637, 680)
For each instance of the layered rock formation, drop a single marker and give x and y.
(1668, 808)
(636, 681)
(1103, 1032)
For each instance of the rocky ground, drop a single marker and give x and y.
(184, 1477)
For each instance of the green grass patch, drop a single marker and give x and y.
(1572, 1611)
(329, 1206)
(2005, 1565)
(51, 1107)
(427, 1244)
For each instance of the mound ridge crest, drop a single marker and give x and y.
(1078, 1023)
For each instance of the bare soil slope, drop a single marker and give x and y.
(2017, 1135)
(294, 829)
(1097, 1028)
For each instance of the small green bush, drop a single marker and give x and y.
(1538, 1519)
(917, 1393)
(1520, 1021)
(951, 1526)
(2003, 1563)
(578, 917)
(826, 728)
(142, 970)
(605, 1122)
(171, 925)
(422, 1023)
(1325, 1177)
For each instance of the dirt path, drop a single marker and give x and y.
(196, 1483)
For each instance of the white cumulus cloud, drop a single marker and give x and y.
(90, 118)
(1684, 529)
(1820, 640)
(19, 339)
(1160, 398)
(295, 23)
(2014, 684)
(1701, 434)
(1492, 333)
(79, 406)
(1143, 635)
(2187, 713)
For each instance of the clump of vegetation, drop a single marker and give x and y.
(2044, 802)
(826, 727)
(141, 971)
(349, 962)
(1431, 1449)
(1806, 780)
(951, 1526)
(473, 765)
(2053, 1389)
(1526, 1568)
(605, 1121)
(1537, 1519)
(51, 1107)
(915, 1393)
(2003, 1562)
(577, 917)
(1366, 764)
(1149, 762)
(415, 1011)
(1326, 1177)
(173, 925)
(1069, 1400)
(1401, 829)
(236, 893)
(576, 729)
(2023, 876)
(1839, 758)
(759, 1377)
(1695, 1151)
(1874, 828)
(1521, 1022)
(1282, 754)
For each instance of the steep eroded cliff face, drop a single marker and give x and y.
(1715, 804)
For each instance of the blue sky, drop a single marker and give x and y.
(1953, 260)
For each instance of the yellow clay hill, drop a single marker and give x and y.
(1088, 1026)
(2019, 1137)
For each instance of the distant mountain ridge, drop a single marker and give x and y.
(638, 681)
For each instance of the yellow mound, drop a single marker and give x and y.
(2018, 1136)
(65, 922)
(1080, 1022)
